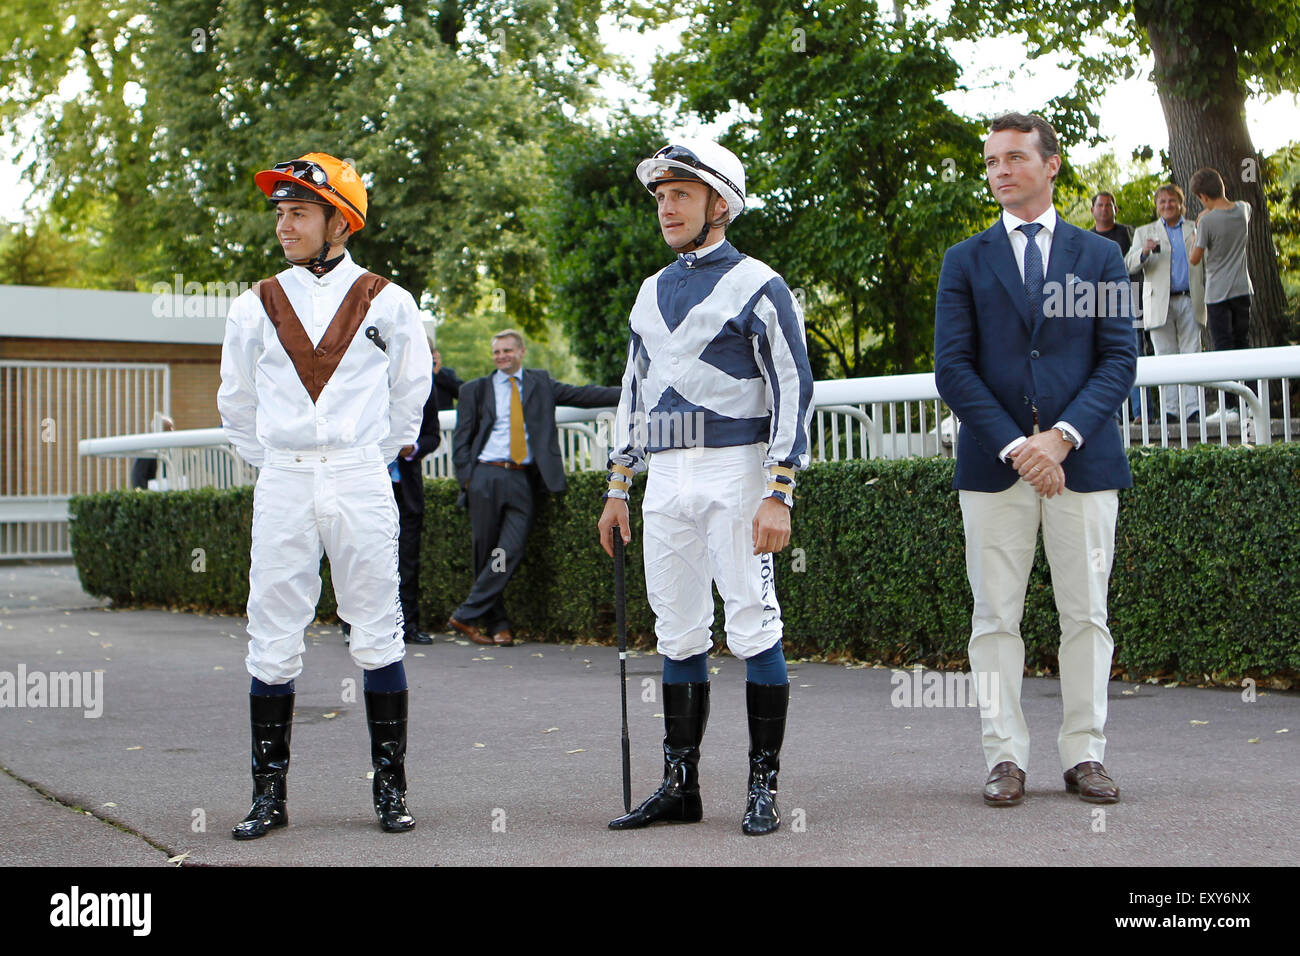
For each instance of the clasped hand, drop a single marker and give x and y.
(1039, 459)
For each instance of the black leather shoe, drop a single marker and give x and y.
(686, 713)
(417, 637)
(1090, 782)
(1005, 786)
(271, 719)
(766, 705)
(386, 717)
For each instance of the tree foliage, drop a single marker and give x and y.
(1284, 201)
(1132, 184)
(861, 177)
(90, 150)
(1208, 58)
(445, 109)
(604, 238)
(41, 254)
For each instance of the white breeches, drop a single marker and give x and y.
(339, 503)
(699, 510)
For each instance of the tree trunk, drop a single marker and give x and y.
(1210, 131)
(857, 333)
(451, 20)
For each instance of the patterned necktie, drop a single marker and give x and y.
(1033, 270)
(518, 444)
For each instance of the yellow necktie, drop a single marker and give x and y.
(518, 444)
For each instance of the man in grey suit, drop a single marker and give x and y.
(1173, 290)
(505, 445)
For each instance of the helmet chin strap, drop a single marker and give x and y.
(704, 233)
(320, 263)
(316, 264)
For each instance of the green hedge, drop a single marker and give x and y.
(1206, 578)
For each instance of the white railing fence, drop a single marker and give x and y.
(46, 409)
(893, 416)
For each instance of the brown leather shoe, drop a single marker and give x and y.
(1005, 786)
(470, 631)
(503, 638)
(1089, 781)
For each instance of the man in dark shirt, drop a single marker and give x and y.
(1104, 209)
(445, 383)
(1104, 224)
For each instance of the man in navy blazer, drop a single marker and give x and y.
(1034, 353)
(499, 460)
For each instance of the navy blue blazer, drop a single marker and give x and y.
(994, 362)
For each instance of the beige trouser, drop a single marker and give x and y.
(1179, 335)
(1079, 538)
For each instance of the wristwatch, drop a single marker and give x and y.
(1070, 439)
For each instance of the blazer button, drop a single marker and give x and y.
(1034, 354)
(320, 351)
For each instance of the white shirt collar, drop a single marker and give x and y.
(1012, 223)
(503, 378)
(697, 255)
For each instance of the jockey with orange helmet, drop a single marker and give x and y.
(322, 180)
(325, 370)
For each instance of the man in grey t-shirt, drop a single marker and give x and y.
(1221, 232)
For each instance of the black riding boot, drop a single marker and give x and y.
(686, 712)
(767, 704)
(386, 716)
(272, 723)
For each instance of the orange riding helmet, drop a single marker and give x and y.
(318, 178)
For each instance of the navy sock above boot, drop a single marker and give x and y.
(270, 690)
(768, 667)
(390, 679)
(692, 670)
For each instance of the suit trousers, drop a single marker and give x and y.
(1079, 538)
(1178, 336)
(500, 515)
(339, 503)
(408, 561)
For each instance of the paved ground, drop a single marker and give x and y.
(514, 760)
